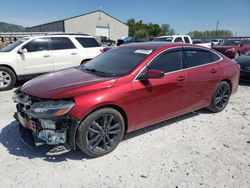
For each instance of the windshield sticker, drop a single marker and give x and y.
(143, 51)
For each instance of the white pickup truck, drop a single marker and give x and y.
(40, 54)
(181, 38)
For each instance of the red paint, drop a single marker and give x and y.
(231, 51)
(144, 102)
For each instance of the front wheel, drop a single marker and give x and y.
(100, 132)
(7, 78)
(220, 97)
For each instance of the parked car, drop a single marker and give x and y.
(32, 56)
(174, 38)
(182, 38)
(217, 41)
(120, 91)
(105, 41)
(233, 48)
(199, 42)
(244, 62)
(128, 40)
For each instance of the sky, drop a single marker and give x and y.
(183, 15)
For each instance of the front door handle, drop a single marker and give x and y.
(73, 53)
(46, 55)
(181, 78)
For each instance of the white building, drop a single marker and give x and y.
(97, 23)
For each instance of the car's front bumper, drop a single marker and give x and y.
(36, 132)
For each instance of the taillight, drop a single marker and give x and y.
(102, 50)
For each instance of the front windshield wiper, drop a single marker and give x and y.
(97, 72)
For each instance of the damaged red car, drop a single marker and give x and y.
(120, 91)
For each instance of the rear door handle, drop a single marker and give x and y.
(73, 53)
(46, 55)
(213, 70)
(181, 78)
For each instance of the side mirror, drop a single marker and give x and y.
(22, 51)
(153, 74)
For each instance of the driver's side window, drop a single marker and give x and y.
(167, 62)
(37, 45)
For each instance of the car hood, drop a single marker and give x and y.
(65, 84)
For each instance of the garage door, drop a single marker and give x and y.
(102, 31)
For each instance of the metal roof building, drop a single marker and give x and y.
(96, 23)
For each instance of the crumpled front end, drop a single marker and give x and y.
(46, 122)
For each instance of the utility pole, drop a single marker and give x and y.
(217, 24)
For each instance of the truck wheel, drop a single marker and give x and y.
(100, 132)
(7, 79)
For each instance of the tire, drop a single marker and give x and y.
(220, 97)
(7, 79)
(100, 132)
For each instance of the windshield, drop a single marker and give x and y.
(231, 43)
(10, 47)
(116, 62)
(165, 39)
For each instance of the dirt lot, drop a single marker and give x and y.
(198, 149)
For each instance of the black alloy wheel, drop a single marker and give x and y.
(221, 97)
(100, 132)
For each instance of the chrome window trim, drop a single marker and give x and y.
(194, 47)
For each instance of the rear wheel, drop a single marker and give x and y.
(220, 97)
(7, 78)
(100, 132)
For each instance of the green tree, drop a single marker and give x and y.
(142, 30)
(212, 33)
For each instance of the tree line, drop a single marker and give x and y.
(143, 30)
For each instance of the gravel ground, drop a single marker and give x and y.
(199, 149)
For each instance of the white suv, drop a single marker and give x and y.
(32, 56)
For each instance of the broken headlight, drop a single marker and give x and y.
(50, 109)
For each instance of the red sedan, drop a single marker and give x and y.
(122, 90)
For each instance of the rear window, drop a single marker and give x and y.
(87, 42)
(178, 39)
(166, 39)
(61, 43)
(186, 40)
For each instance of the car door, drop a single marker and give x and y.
(36, 57)
(203, 75)
(64, 52)
(158, 99)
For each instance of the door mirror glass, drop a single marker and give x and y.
(151, 74)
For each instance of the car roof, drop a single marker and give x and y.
(60, 35)
(158, 45)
